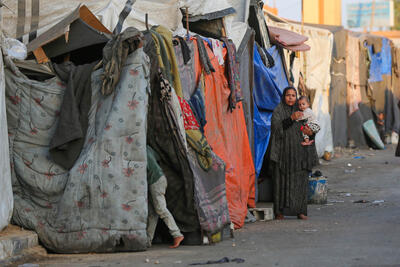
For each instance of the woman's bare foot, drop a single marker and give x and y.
(177, 241)
(279, 217)
(302, 217)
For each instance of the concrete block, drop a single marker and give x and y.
(14, 241)
(264, 211)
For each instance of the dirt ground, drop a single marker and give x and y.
(341, 233)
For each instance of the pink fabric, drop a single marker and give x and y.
(286, 37)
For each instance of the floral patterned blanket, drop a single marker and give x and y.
(100, 205)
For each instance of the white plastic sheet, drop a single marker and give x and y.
(197, 8)
(164, 13)
(6, 195)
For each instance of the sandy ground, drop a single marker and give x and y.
(341, 233)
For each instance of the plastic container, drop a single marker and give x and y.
(317, 190)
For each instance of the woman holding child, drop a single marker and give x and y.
(290, 158)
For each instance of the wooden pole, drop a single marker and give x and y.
(187, 23)
(147, 21)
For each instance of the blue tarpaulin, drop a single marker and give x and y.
(386, 57)
(268, 86)
(381, 62)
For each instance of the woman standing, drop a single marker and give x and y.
(289, 161)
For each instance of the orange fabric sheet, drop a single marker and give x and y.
(227, 135)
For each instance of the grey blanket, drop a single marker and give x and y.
(67, 142)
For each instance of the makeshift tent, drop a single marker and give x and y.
(101, 203)
(315, 68)
(337, 94)
(380, 81)
(6, 195)
(195, 197)
(227, 135)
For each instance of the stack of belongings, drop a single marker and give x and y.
(79, 124)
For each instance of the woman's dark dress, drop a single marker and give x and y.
(398, 145)
(289, 162)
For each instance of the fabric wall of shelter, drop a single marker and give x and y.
(380, 82)
(164, 137)
(338, 90)
(6, 194)
(246, 73)
(315, 67)
(268, 87)
(209, 186)
(226, 133)
(354, 88)
(39, 15)
(395, 90)
(100, 205)
(396, 71)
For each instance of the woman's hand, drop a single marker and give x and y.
(306, 130)
(296, 115)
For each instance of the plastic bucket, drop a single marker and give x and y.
(317, 190)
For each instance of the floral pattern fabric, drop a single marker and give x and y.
(189, 119)
(100, 205)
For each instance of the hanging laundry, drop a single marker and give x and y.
(204, 59)
(69, 137)
(232, 69)
(114, 55)
(185, 50)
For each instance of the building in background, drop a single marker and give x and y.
(323, 11)
(272, 9)
(371, 14)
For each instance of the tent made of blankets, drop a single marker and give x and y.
(100, 204)
(180, 96)
(314, 67)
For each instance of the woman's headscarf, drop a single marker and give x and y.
(285, 108)
(285, 91)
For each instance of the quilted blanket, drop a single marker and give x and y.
(100, 205)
